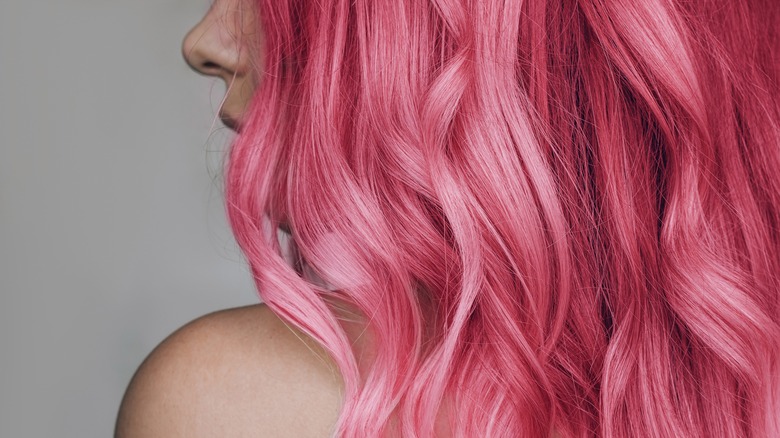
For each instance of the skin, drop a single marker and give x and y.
(240, 372)
(235, 373)
(219, 46)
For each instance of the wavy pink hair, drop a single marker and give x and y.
(559, 218)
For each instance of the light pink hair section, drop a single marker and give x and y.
(558, 218)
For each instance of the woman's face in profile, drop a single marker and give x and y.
(219, 46)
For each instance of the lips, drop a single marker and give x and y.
(230, 121)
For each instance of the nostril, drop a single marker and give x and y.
(209, 68)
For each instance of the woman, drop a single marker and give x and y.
(507, 218)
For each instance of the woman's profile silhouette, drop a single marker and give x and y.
(503, 218)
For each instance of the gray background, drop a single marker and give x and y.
(112, 232)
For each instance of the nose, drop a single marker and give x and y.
(211, 49)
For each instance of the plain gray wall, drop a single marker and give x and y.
(112, 231)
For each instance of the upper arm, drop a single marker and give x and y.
(239, 372)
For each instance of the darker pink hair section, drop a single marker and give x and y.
(557, 218)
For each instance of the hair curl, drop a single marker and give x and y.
(558, 217)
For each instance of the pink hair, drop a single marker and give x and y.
(557, 217)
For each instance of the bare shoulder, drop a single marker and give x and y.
(238, 372)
